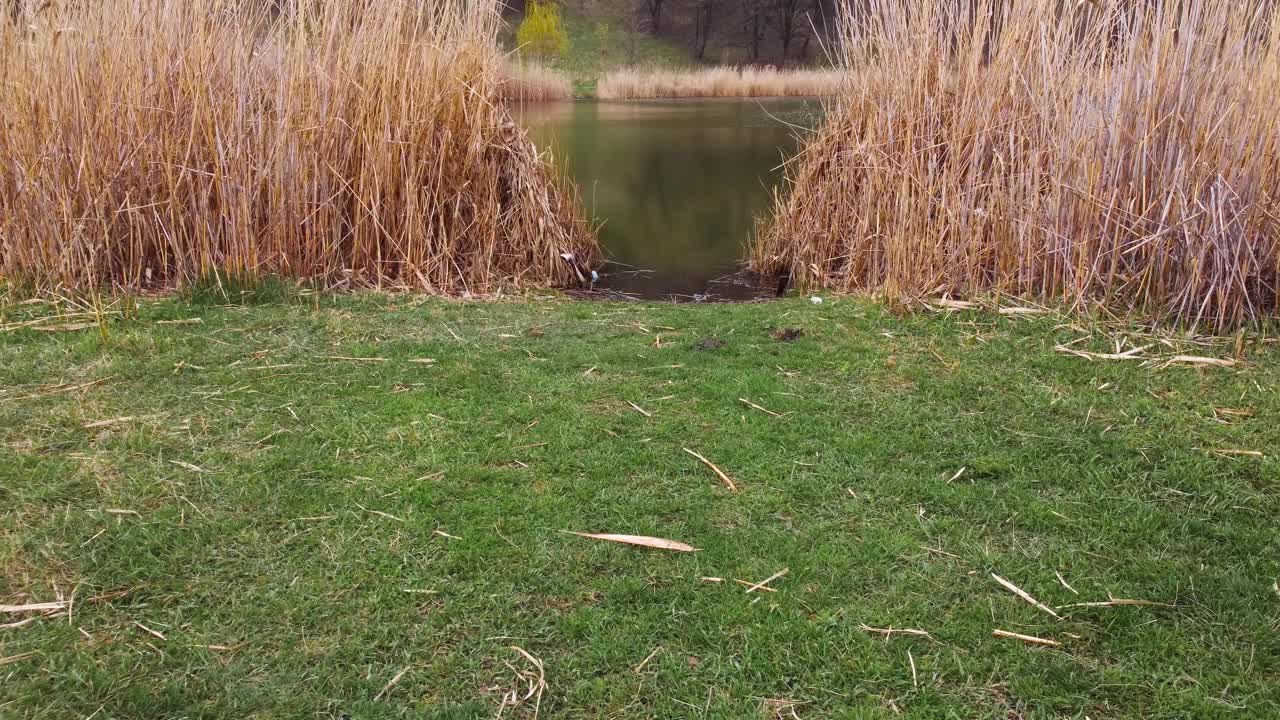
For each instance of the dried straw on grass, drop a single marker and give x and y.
(150, 143)
(1115, 154)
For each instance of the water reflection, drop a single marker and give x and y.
(677, 184)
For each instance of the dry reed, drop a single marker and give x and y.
(1111, 155)
(637, 83)
(530, 82)
(150, 143)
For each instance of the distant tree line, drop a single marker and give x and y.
(758, 32)
(755, 32)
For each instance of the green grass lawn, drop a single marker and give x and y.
(317, 537)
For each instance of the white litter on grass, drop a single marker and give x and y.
(815, 300)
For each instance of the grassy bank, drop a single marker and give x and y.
(353, 508)
(985, 146)
(718, 82)
(151, 143)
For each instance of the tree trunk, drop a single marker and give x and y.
(753, 30)
(655, 15)
(706, 15)
(789, 12)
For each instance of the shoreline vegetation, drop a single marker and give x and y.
(1081, 162)
(534, 82)
(719, 82)
(353, 144)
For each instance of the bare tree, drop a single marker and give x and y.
(790, 17)
(654, 8)
(753, 27)
(632, 38)
(777, 31)
(705, 13)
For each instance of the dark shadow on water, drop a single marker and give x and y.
(678, 185)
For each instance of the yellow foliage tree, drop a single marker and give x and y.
(542, 33)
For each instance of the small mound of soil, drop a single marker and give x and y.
(710, 344)
(787, 334)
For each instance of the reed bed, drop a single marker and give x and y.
(153, 143)
(723, 82)
(1119, 156)
(531, 82)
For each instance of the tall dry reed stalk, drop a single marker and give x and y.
(1122, 155)
(637, 83)
(150, 143)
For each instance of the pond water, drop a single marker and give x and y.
(678, 185)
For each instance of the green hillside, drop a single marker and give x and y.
(604, 40)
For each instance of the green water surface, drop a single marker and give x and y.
(678, 185)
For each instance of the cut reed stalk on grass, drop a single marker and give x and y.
(1114, 155)
(153, 143)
